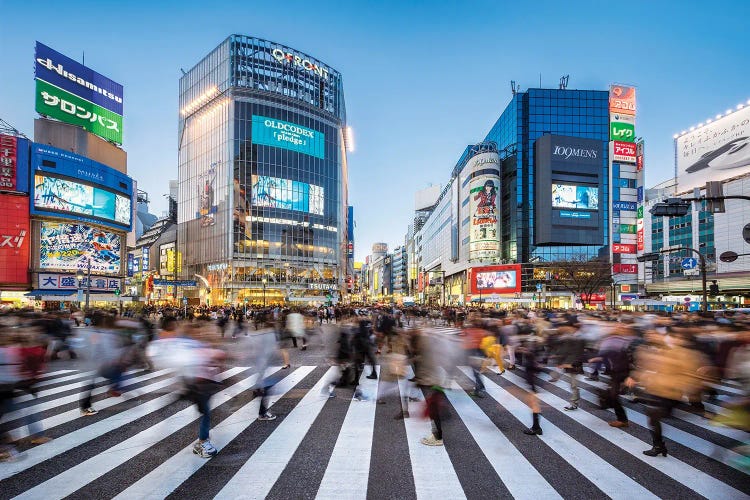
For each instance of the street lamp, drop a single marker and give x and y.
(264, 291)
(79, 275)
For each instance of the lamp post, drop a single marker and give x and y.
(263, 281)
(79, 277)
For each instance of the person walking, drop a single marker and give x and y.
(614, 352)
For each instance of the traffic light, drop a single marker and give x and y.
(674, 207)
(713, 288)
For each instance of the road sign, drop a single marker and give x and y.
(689, 263)
(691, 272)
(728, 256)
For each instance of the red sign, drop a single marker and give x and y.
(595, 297)
(625, 268)
(8, 161)
(624, 151)
(420, 282)
(639, 236)
(623, 248)
(14, 240)
(622, 99)
(639, 157)
(495, 279)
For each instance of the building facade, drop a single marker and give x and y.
(535, 191)
(262, 175)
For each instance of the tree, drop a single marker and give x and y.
(582, 276)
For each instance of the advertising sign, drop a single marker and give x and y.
(61, 105)
(62, 163)
(621, 131)
(287, 194)
(131, 265)
(625, 268)
(714, 152)
(624, 152)
(61, 195)
(622, 99)
(484, 233)
(627, 228)
(640, 241)
(70, 247)
(571, 196)
(639, 156)
(575, 215)
(8, 162)
(496, 279)
(623, 248)
(54, 281)
(77, 79)
(625, 205)
(14, 241)
(278, 133)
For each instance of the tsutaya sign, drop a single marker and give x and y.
(288, 57)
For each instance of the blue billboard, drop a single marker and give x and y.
(67, 74)
(625, 205)
(273, 192)
(278, 133)
(71, 186)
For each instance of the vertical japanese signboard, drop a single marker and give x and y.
(484, 231)
(14, 240)
(73, 93)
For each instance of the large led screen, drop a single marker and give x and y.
(572, 196)
(496, 279)
(52, 193)
(278, 133)
(287, 194)
(70, 247)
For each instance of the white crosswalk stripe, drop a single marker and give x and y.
(706, 464)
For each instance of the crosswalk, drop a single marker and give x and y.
(139, 445)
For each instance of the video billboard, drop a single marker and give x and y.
(14, 240)
(569, 184)
(55, 194)
(287, 194)
(71, 186)
(715, 151)
(495, 279)
(575, 196)
(69, 247)
(278, 133)
(73, 93)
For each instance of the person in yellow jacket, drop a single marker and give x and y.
(667, 369)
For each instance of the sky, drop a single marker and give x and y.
(422, 79)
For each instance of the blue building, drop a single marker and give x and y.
(529, 116)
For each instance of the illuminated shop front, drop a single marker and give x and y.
(262, 175)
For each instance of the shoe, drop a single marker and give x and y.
(285, 367)
(40, 440)
(571, 408)
(477, 394)
(594, 378)
(618, 423)
(512, 367)
(554, 377)
(113, 393)
(372, 376)
(303, 348)
(359, 397)
(533, 431)
(431, 441)
(413, 399)
(87, 412)
(267, 416)
(204, 449)
(402, 415)
(656, 451)
(413, 379)
(381, 401)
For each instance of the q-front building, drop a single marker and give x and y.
(262, 176)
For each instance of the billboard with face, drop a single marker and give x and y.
(573, 196)
(287, 194)
(495, 279)
(69, 247)
(484, 214)
(715, 151)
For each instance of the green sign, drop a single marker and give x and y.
(288, 135)
(619, 131)
(627, 228)
(640, 212)
(62, 105)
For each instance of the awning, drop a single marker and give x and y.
(50, 294)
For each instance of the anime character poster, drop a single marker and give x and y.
(207, 198)
(70, 247)
(484, 237)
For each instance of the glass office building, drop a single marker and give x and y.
(529, 116)
(262, 175)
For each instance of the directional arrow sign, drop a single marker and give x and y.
(689, 263)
